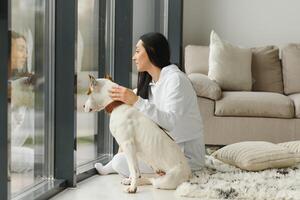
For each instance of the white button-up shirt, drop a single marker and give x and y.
(172, 104)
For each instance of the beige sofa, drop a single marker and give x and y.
(269, 112)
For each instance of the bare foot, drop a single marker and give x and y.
(100, 170)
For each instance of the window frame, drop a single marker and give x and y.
(123, 46)
(175, 15)
(4, 58)
(64, 117)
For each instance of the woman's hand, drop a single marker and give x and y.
(120, 93)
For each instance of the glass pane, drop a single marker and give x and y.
(26, 94)
(143, 22)
(87, 63)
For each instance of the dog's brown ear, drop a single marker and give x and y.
(108, 77)
(89, 91)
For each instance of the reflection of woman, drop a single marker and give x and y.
(18, 55)
(22, 115)
(165, 95)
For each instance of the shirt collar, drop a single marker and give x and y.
(163, 72)
(152, 83)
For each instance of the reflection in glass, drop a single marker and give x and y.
(22, 102)
(87, 63)
(25, 109)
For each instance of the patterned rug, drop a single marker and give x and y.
(222, 181)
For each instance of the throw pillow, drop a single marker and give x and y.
(293, 146)
(266, 69)
(205, 87)
(229, 66)
(291, 68)
(255, 155)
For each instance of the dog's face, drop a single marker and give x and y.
(23, 83)
(98, 97)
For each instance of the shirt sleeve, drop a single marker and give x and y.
(173, 104)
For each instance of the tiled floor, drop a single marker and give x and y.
(109, 188)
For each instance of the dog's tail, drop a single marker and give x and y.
(172, 178)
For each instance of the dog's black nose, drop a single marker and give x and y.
(91, 110)
(84, 106)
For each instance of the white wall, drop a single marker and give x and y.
(242, 22)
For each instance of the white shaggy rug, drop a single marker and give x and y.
(222, 181)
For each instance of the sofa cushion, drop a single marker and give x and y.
(205, 87)
(296, 100)
(292, 146)
(256, 155)
(196, 59)
(266, 69)
(255, 104)
(291, 68)
(229, 66)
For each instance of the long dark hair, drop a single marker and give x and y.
(158, 51)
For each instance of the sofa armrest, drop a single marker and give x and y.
(205, 87)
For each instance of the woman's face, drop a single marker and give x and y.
(18, 53)
(141, 58)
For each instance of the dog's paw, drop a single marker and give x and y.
(131, 190)
(126, 181)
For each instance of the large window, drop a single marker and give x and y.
(48, 49)
(93, 142)
(27, 68)
(87, 64)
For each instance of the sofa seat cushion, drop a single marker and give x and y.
(255, 104)
(296, 100)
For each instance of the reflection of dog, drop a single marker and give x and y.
(22, 92)
(139, 137)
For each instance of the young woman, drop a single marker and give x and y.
(166, 96)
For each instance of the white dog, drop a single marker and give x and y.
(139, 138)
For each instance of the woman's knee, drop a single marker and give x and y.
(119, 164)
